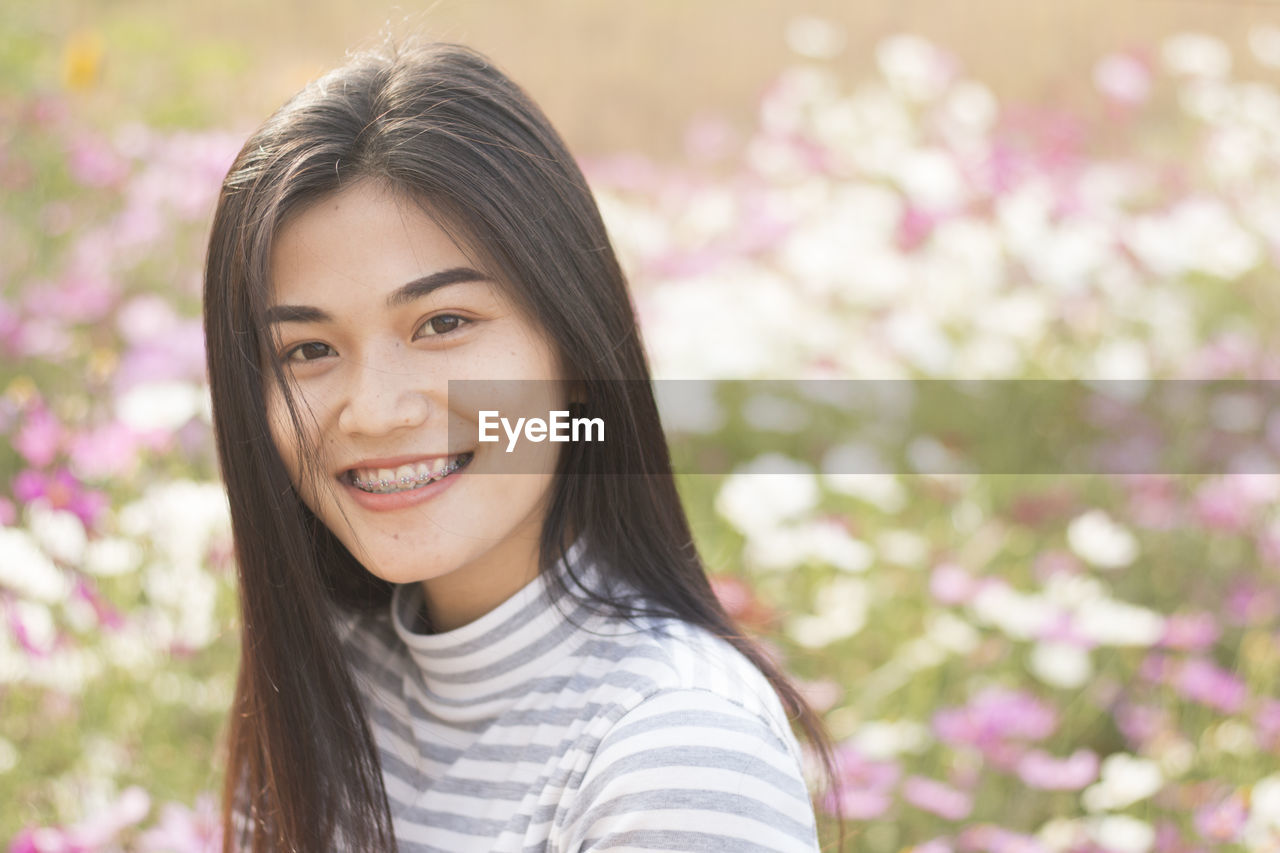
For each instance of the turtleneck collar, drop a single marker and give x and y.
(480, 669)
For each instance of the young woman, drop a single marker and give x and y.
(441, 652)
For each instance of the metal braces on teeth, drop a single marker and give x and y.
(421, 478)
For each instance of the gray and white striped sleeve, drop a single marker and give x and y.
(689, 770)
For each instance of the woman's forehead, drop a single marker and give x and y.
(364, 235)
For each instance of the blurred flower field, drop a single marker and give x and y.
(1009, 663)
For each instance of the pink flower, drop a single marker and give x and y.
(989, 838)
(1190, 631)
(1123, 78)
(1202, 681)
(1267, 721)
(997, 721)
(109, 450)
(1156, 668)
(1141, 724)
(1222, 821)
(39, 437)
(107, 615)
(914, 228)
(62, 490)
(97, 832)
(933, 845)
(864, 785)
(1218, 506)
(951, 584)
(175, 353)
(184, 830)
(1055, 562)
(1153, 501)
(1041, 770)
(23, 636)
(937, 798)
(1250, 603)
(94, 163)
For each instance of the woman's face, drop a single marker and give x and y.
(376, 309)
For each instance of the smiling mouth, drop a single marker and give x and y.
(381, 481)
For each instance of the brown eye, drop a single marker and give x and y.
(310, 351)
(441, 324)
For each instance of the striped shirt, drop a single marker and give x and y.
(532, 730)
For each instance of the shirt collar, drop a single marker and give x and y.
(479, 669)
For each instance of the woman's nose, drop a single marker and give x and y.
(383, 398)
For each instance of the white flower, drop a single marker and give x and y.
(1233, 738)
(882, 491)
(1067, 257)
(1121, 359)
(1264, 812)
(1021, 316)
(37, 623)
(159, 405)
(903, 547)
(927, 455)
(1125, 780)
(972, 106)
(1109, 622)
(1073, 590)
(931, 178)
(725, 325)
(1124, 834)
(913, 66)
(831, 542)
(1061, 665)
(1122, 77)
(825, 542)
(27, 570)
(766, 492)
(964, 264)
(112, 556)
(881, 740)
(1196, 55)
(65, 670)
(60, 533)
(1200, 234)
(950, 633)
(181, 517)
(771, 413)
(1261, 831)
(688, 405)
(840, 610)
(1098, 540)
(8, 755)
(1060, 834)
(1019, 616)
(1264, 41)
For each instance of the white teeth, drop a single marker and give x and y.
(384, 480)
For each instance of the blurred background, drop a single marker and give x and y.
(820, 190)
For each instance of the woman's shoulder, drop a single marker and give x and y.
(702, 759)
(688, 663)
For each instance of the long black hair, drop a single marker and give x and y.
(441, 126)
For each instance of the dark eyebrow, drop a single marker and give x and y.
(403, 295)
(420, 287)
